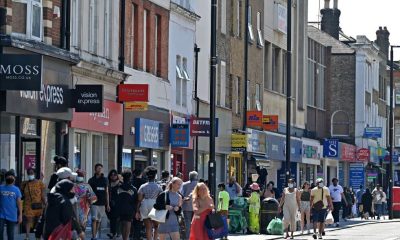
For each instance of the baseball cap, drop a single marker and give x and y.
(65, 172)
(320, 180)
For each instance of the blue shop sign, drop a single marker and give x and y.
(356, 171)
(147, 133)
(276, 148)
(180, 135)
(331, 148)
(373, 132)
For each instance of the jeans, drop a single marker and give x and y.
(10, 229)
(188, 215)
(336, 209)
(378, 210)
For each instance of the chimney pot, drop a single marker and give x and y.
(335, 4)
(327, 4)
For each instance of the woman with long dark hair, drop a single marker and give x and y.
(305, 207)
(114, 184)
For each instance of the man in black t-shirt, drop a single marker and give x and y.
(99, 184)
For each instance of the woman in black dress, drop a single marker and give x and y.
(366, 200)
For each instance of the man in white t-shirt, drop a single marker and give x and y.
(336, 192)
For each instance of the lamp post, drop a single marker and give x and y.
(391, 129)
(288, 88)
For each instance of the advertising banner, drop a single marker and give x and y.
(256, 141)
(136, 106)
(270, 123)
(254, 118)
(239, 142)
(180, 135)
(363, 155)
(133, 92)
(348, 152)
(87, 98)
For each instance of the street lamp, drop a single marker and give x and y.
(288, 88)
(391, 129)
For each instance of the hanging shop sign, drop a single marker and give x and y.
(87, 98)
(201, 127)
(331, 148)
(347, 152)
(136, 106)
(21, 72)
(270, 122)
(254, 118)
(363, 155)
(256, 141)
(239, 142)
(180, 135)
(373, 132)
(147, 133)
(133, 93)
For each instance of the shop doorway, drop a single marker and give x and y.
(179, 166)
(235, 168)
(30, 156)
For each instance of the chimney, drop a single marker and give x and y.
(330, 19)
(382, 40)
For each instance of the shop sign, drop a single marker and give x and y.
(136, 106)
(348, 152)
(363, 155)
(133, 92)
(87, 98)
(147, 133)
(356, 172)
(180, 135)
(373, 132)
(331, 148)
(21, 72)
(107, 121)
(201, 127)
(310, 151)
(238, 142)
(256, 141)
(254, 118)
(276, 148)
(281, 18)
(270, 122)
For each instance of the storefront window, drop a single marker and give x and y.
(126, 159)
(48, 151)
(97, 150)
(203, 165)
(7, 143)
(158, 161)
(79, 161)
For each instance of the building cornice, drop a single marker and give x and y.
(99, 72)
(184, 12)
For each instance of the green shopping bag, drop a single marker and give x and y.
(275, 227)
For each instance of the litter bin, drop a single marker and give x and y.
(269, 210)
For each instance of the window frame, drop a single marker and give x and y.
(260, 39)
(29, 21)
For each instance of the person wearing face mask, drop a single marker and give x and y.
(320, 201)
(291, 204)
(84, 198)
(10, 205)
(59, 210)
(34, 194)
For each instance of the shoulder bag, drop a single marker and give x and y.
(34, 206)
(159, 215)
(320, 204)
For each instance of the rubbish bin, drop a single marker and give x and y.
(269, 210)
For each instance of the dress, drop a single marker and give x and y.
(290, 209)
(32, 192)
(254, 212)
(85, 195)
(198, 230)
(171, 223)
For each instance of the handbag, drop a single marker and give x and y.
(215, 233)
(34, 206)
(320, 204)
(62, 232)
(214, 221)
(159, 215)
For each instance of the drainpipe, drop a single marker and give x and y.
(196, 70)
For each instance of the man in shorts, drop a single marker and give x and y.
(320, 202)
(99, 184)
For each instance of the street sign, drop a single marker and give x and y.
(373, 132)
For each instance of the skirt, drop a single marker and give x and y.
(145, 207)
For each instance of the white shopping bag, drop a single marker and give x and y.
(329, 218)
(354, 210)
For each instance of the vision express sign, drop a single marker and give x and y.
(87, 98)
(20, 72)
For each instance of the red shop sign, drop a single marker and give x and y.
(133, 92)
(348, 152)
(254, 118)
(108, 121)
(363, 155)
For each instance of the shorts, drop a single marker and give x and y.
(145, 207)
(319, 215)
(305, 206)
(126, 217)
(97, 212)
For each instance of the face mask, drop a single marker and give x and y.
(9, 181)
(31, 177)
(291, 185)
(321, 184)
(79, 179)
(73, 200)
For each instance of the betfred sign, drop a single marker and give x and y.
(363, 155)
(254, 118)
(21, 72)
(201, 127)
(133, 93)
(87, 98)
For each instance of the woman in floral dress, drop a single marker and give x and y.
(85, 198)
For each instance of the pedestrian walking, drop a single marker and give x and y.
(126, 203)
(99, 184)
(10, 205)
(223, 200)
(147, 195)
(113, 185)
(34, 195)
(346, 207)
(173, 203)
(367, 204)
(164, 180)
(359, 194)
(203, 205)
(59, 210)
(187, 206)
(137, 224)
(384, 204)
(85, 198)
(320, 202)
(254, 209)
(269, 191)
(377, 201)
(59, 162)
(305, 207)
(289, 204)
(337, 194)
(234, 189)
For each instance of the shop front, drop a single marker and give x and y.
(347, 155)
(256, 152)
(33, 124)
(311, 159)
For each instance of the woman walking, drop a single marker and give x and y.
(127, 195)
(305, 196)
(147, 196)
(114, 183)
(85, 198)
(290, 201)
(34, 194)
(254, 208)
(173, 203)
(366, 200)
(202, 206)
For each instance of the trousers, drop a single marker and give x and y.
(336, 210)
(10, 229)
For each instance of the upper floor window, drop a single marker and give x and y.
(250, 25)
(28, 18)
(260, 38)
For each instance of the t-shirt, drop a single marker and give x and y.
(336, 193)
(99, 186)
(9, 195)
(224, 205)
(317, 194)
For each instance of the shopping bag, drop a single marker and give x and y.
(214, 220)
(62, 232)
(275, 227)
(215, 233)
(158, 215)
(329, 218)
(354, 210)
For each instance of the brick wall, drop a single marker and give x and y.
(5, 16)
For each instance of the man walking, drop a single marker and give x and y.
(187, 207)
(377, 200)
(10, 206)
(320, 201)
(99, 184)
(337, 194)
(59, 162)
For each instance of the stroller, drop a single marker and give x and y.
(238, 215)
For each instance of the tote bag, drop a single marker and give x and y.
(159, 215)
